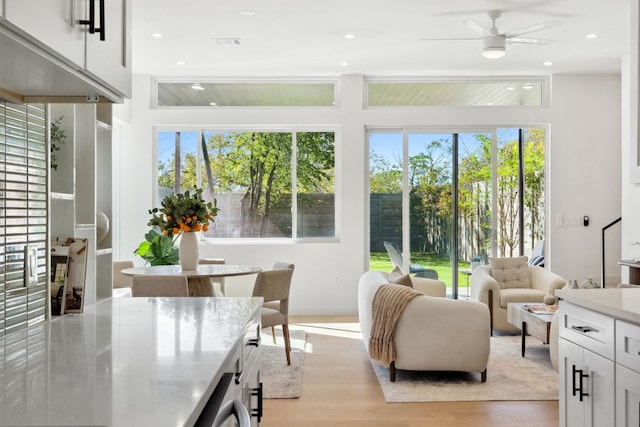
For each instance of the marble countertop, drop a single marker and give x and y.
(620, 303)
(123, 362)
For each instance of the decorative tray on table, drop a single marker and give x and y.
(542, 309)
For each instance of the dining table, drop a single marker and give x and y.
(198, 280)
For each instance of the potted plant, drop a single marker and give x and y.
(183, 215)
(158, 249)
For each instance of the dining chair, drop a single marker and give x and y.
(217, 280)
(273, 285)
(160, 286)
(122, 283)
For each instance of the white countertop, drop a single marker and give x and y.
(620, 303)
(124, 362)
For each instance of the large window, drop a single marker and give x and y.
(450, 199)
(267, 184)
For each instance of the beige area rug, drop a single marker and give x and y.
(509, 377)
(279, 380)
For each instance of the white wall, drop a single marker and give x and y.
(630, 192)
(591, 136)
(584, 173)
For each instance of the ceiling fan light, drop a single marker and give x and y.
(493, 52)
(494, 46)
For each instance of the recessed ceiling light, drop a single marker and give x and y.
(592, 36)
(349, 36)
(527, 86)
(156, 35)
(344, 64)
(196, 86)
(247, 12)
(548, 63)
(511, 88)
(213, 104)
(180, 63)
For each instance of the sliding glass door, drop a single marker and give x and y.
(447, 200)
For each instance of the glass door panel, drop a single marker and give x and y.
(430, 183)
(385, 197)
(474, 222)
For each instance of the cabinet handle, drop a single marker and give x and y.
(91, 22)
(237, 377)
(584, 329)
(580, 388)
(102, 26)
(258, 393)
(253, 342)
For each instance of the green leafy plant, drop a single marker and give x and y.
(186, 211)
(58, 137)
(158, 249)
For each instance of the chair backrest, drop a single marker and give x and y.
(274, 285)
(160, 286)
(280, 265)
(121, 280)
(394, 253)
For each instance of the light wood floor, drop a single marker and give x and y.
(339, 388)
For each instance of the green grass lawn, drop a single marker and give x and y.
(380, 261)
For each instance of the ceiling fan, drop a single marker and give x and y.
(494, 42)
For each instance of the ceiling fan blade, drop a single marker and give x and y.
(532, 28)
(526, 40)
(453, 38)
(475, 26)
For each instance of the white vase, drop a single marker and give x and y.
(189, 251)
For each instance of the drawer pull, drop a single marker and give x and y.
(584, 329)
(580, 387)
(257, 392)
(254, 342)
(237, 377)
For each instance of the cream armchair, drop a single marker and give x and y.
(432, 333)
(532, 287)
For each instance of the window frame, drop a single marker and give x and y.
(293, 130)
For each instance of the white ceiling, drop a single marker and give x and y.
(305, 38)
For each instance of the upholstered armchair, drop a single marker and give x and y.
(507, 280)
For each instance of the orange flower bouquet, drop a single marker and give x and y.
(184, 212)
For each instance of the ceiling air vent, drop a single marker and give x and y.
(226, 41)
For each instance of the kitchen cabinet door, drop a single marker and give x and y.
(51, 24)
(110, 59)
(627, 397)
(587, 387)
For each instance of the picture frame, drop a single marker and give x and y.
(68, 275)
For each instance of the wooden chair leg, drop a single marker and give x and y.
(287, 342)
(273, 334)
(392, 372)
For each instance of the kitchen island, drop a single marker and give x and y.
(132, 362)
(599, 357)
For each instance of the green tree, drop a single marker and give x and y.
(258, 164)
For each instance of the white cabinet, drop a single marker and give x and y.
(627, 397)
(51, 24)
(586, 387)
(109, 57)
(53, 35)
(599, 364)
(627, 374)
(81, 186)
